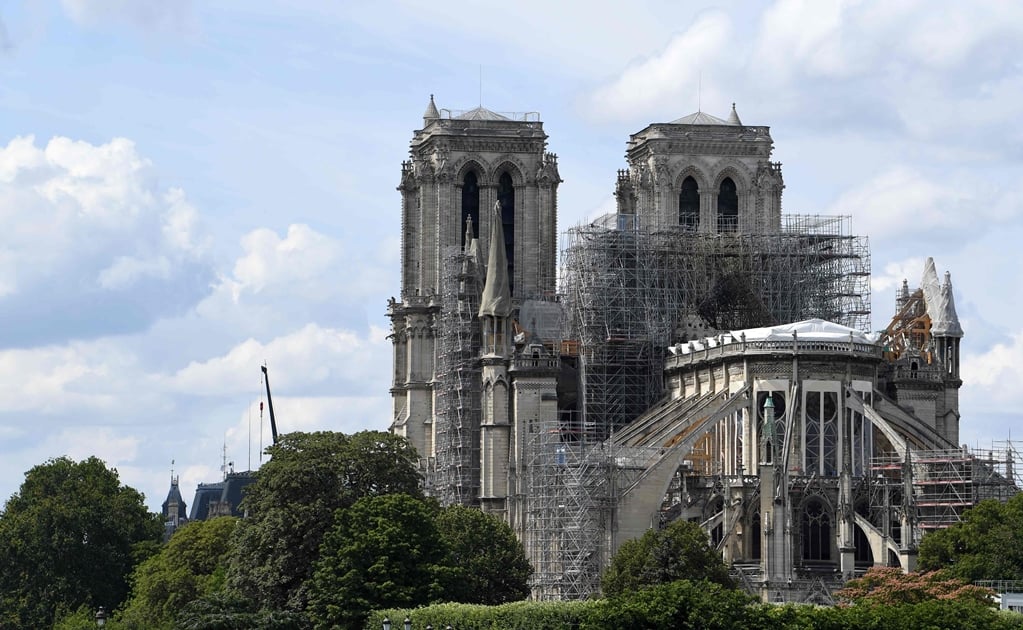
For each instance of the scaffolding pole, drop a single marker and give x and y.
(631, 292)
(568, 511)
(454, 477)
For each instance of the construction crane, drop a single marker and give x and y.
(270, 405)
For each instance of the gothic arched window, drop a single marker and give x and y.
(689, 205)
(470, 205)
(820, 433)
(506, 195)
(816, 531)
(756, 532)
(728, 207)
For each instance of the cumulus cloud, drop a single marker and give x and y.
(995, 375)
(301, 276)
(309, 358)
(670, 75)
(909, 269)
(940, 71)
(903, 203)
(92, 244)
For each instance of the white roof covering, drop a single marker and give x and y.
(940, 302)
(808, 330)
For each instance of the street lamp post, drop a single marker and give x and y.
(408, 624)
(387, 623)
(101, 617)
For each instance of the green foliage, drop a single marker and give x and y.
(926, 615)
(986, 545)
(225, 610)
(678, 604)
(510, 616)
(293, 500)
(680, 551)
(685, 604)
(68, 541)
(889, 586)
(382, 550)
(191, 565)
(488, 562)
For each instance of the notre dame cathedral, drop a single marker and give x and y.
(696, 354)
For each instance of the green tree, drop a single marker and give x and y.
(292, 504)
(70, 538)
(680, 551)
(986, 545)
(488, 562)
(227, 610)
(191, 565)
(382, 551)
(676, 604)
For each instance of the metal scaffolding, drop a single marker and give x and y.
(454, 473)
(568, 510)
(631, 293)
(943, 484)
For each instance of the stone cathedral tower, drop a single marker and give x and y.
(462, 164)
(703, 174)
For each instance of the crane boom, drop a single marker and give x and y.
(270, 404)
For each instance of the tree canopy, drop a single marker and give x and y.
(680, 551)
(488, 561)
(889, 586)
(191, 565)
(70, 538)
(382, 551)
(292, 503)
(986, 545)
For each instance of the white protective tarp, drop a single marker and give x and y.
(807, 330)
(496, 300)
(940, 303)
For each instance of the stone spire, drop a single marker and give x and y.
(496, 300)
(431, 112)
(733, 118)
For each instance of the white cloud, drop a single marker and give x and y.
(807, 37)
(83, 220)
(994, 376)
(297, 261)
(672, 74)
(310, 357)
(902, 203)
(909, 269)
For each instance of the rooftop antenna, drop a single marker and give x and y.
(249, 452)
(223, 458)
(699, 93)
(172, 471)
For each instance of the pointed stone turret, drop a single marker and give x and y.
(431, 112)
(496, 300)
(733, 118)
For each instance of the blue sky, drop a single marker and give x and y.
(187, 191)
